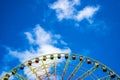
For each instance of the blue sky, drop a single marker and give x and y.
(89, 27)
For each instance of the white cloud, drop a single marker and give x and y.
(86, 13)
(45, 42)
(65, 9)
(29, 37)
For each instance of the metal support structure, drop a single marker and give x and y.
(65, 68)
(55, 74)
(87, 73)
(45, 70)
(105, 78)
(34, 72)
(75, 70)
(20, 77)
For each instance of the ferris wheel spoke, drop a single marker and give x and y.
(92, 75)
(47, 66)
(55, 74)
(75, 70)
(40, 68)
(87, 73)
(65, 68)
(105, 78)
(34, 72)
(44, 66)
(20, 77)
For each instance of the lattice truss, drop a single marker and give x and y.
(61, 66)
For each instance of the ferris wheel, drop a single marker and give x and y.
(61, 66)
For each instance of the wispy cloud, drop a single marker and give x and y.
(65, 9)
(86, 13)
(41, 42)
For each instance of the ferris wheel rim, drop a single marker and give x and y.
(70, 54)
